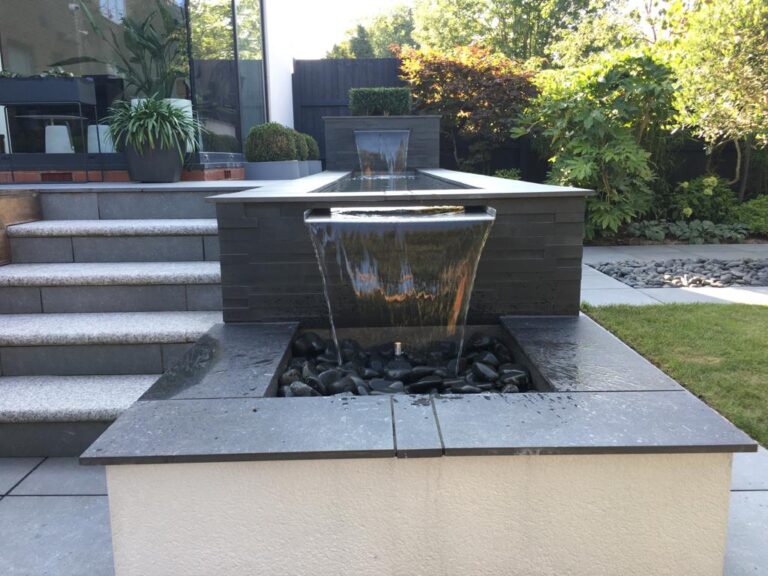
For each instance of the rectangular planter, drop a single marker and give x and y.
(279, 170)
(315, 166)
(423, 144)
(42, 90)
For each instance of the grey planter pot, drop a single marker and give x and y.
(156, 165)
(315, 166)
(303, 168)
(279, 170)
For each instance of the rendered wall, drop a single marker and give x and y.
(279, 41)
(590, 515)
(531, 264)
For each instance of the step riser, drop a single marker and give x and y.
(96, 359)
(76, 299)
(114, 249)
(126, 205)
(37, 439)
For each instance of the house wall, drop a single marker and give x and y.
(279, 39)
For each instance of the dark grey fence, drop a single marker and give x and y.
(321, 87)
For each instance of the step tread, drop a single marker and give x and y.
(104, 328)
(25, 399)
(64, 228)
(110, 274)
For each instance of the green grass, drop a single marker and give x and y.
(718, 351)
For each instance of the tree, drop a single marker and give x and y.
(477, 92)
(375, 38)
(719, 51)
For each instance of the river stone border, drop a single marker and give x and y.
(682, 273)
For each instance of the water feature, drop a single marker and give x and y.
(382, 151)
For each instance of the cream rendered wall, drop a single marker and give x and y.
(279, 16)
(591, 515)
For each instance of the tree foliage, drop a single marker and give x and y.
(597, 122)
(377, 37)
(477, 92)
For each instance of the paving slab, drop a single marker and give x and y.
(14, 469)
(746, 552)
(611, 297)
(592, 279)
(750, 471)
(63, 477)
(416, 430)
(682, 295)
(55, 536)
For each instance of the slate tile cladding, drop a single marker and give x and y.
(531, 264)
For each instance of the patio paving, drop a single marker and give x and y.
(54, 518)
(598, 289)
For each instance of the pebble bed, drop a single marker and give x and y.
(678, 273)
(486, 365)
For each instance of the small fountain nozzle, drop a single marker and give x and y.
(398, 348)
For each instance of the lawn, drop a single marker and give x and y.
(719, 352)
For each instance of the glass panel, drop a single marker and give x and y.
(215, 73)
(251, 59)
(130, 48)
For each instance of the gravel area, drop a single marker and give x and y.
(679, 273)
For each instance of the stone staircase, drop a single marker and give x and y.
(101, 297)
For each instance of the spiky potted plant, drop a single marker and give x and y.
(155, 135)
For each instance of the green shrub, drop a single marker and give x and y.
(693, 232)
(312, 147)
(703, 198)
(379, 101)
(753, 214)
(508, 173)
(270, 142)
(302, 150)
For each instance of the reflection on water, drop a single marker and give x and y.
(400, 267)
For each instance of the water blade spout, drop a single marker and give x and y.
(382, 151)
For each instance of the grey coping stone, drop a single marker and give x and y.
(108, 328)
(69, 398)
(484, 187)
(12, 470)
(577, 354)
(144, 227)
(416, 430)
(204, 297)
(59, 536)
(110, 273)
(19, 300)
(569, 423)
(746, 552)
(228, 361)
(85, 359)
(750, 471)
(63, 477)
(69, 206)
(77, 299)
(154, 204)
(234, 429)
(137, 248)
(28, 250)
(211, 186)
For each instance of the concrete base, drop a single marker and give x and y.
(591, 515)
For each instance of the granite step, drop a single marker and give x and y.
(109, 287)
(95, 343)
(122, 240)
(62, 415)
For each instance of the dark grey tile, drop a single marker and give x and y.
(576, 354)
(63, 477)
(14, 469)
(138, 249)
(82, 206)
(211, 246)
(146, 204)
(750, 471)
(228, 361)
(204, 297)
(746, 552)
(55, 536)
(86, 359)
(569, 423)
(20, 300)
(172, 353)
(35, 250)
(113, 298)
(248, 429)
(416, 432)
